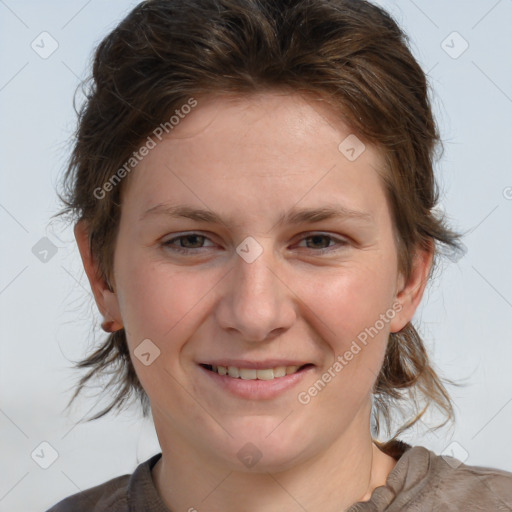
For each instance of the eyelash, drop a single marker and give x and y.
(168, 243)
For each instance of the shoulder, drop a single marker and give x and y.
(422, 480)
(115, 495)
(111, 496)
(476, 487)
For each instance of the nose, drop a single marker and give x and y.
(256, 302)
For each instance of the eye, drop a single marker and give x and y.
(191, 242)
(186, 243)
(320, 239)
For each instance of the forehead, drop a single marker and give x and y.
(264, 149)
(257, 118)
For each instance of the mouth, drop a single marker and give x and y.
(262, 381)
(272, 373)
(254, 380)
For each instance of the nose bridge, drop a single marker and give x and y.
(255, 278)
(255, 302)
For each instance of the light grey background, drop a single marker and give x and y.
(46, 309)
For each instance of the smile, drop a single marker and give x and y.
(253, 373)
(264, 383)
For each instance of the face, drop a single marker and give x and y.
(257, 283)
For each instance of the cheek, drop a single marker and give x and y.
(353, 312)
(161, 304)
(156, 300)
(352, 300)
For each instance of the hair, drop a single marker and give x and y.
(348, 53)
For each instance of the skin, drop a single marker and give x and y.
(249, 159)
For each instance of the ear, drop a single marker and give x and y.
(105, 297)
(410, 293)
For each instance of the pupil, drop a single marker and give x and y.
(189, 237)
(317, 237)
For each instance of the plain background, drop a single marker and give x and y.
(47, 315)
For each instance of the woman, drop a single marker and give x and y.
(255, 205)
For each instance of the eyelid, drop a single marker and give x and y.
(339, 238)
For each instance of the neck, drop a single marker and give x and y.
(347, 471)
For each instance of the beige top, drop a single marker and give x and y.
(420, 481)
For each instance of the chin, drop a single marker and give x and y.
(255, 451)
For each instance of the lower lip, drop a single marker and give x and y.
(257, 389)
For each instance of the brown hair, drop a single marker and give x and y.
(349, 53)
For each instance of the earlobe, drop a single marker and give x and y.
(105, 297)
(410, 293)
(112, 316)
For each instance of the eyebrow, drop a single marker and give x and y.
(292, 217)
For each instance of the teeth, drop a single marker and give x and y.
(233, 372)
(291, 369)
(280, 371)
(248, 374)
(265, 374)
(253, 374)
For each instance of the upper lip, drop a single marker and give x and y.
(257, 365)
